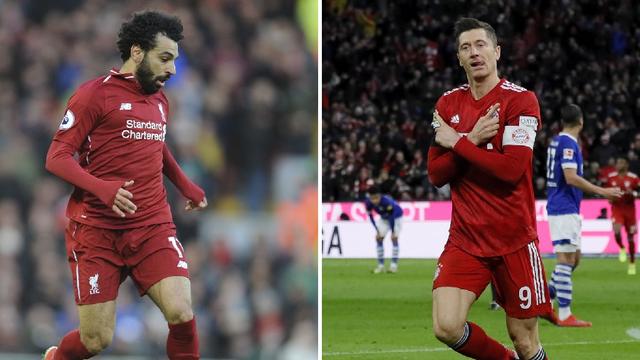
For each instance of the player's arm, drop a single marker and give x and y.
(369, 208)
(572, 178)
(82, 114)
(443, 165)
(188, 189)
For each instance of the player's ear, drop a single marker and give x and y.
(497, 52)
(137, 54)
(458, 56)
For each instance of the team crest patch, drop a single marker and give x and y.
(520, 136)
(567, 154)
(67, 121)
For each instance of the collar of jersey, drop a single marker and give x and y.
(569, 135)
(115, 72)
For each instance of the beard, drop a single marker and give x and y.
(148, 81)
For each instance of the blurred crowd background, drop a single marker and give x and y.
(243, 126)
(385, 63)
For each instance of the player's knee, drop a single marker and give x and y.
(179, 313)
(524, 343)
(96, 341)
(448, 332)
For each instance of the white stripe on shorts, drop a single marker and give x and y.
(537, 274)
(534, 272)
(77, 275)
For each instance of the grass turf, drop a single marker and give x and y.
(388, 316)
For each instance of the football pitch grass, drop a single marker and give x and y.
(388, 316)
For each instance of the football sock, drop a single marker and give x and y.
(540, 355)
(475, 343)
(182, 342)
(618, 237)
(71, 348)
(396, 250)
(561, 279)
(632, 250)
(380, 249)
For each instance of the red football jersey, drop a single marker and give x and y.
(492, 216)
(119, 134)
(627, 183)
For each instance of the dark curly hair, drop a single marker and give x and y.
(142, 30)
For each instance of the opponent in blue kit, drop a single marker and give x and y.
(565, 186)
(390, 219)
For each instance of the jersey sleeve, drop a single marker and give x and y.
(568, 153)
(443, 165)
(84, 110)
(523, 122)
(368, 205)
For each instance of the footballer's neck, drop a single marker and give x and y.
(129, 67)
(481, 86)
(573, 131)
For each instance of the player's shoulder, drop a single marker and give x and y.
(632, 175)
(510, 87)
(614, 174)
(520, 93)
(457, 91)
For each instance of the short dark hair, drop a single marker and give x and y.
(375, 190)
(571, 115)
(623, 157)
(142, 29)
(466, 24)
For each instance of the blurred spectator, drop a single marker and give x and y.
(385, 63)
(243, 102)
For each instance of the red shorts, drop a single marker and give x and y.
(519, 278)
(101, 259)
(625, 217)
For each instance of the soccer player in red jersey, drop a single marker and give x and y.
(493, 234)
(623, 210)
(120, 222)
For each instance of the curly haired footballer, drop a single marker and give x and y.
(142, 30)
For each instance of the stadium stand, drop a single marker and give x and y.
(385, 64)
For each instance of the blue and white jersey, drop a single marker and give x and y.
(563, 153)
(387, 207)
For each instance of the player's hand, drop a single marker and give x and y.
(190, 205)
(486, 127)
(445, 135)
(612, 193)
(122, 203)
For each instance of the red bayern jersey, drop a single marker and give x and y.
(628, 183)
(491, 185)
(119, 134)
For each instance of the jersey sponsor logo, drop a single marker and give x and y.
(131, 132)
(529, 121)
(93, 282)
(455, 119)
(68, 120)
(125, 106)
(567, 154)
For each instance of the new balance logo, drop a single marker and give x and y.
(125, 106)
(183, 264)
(93, 282)
(455, 119)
